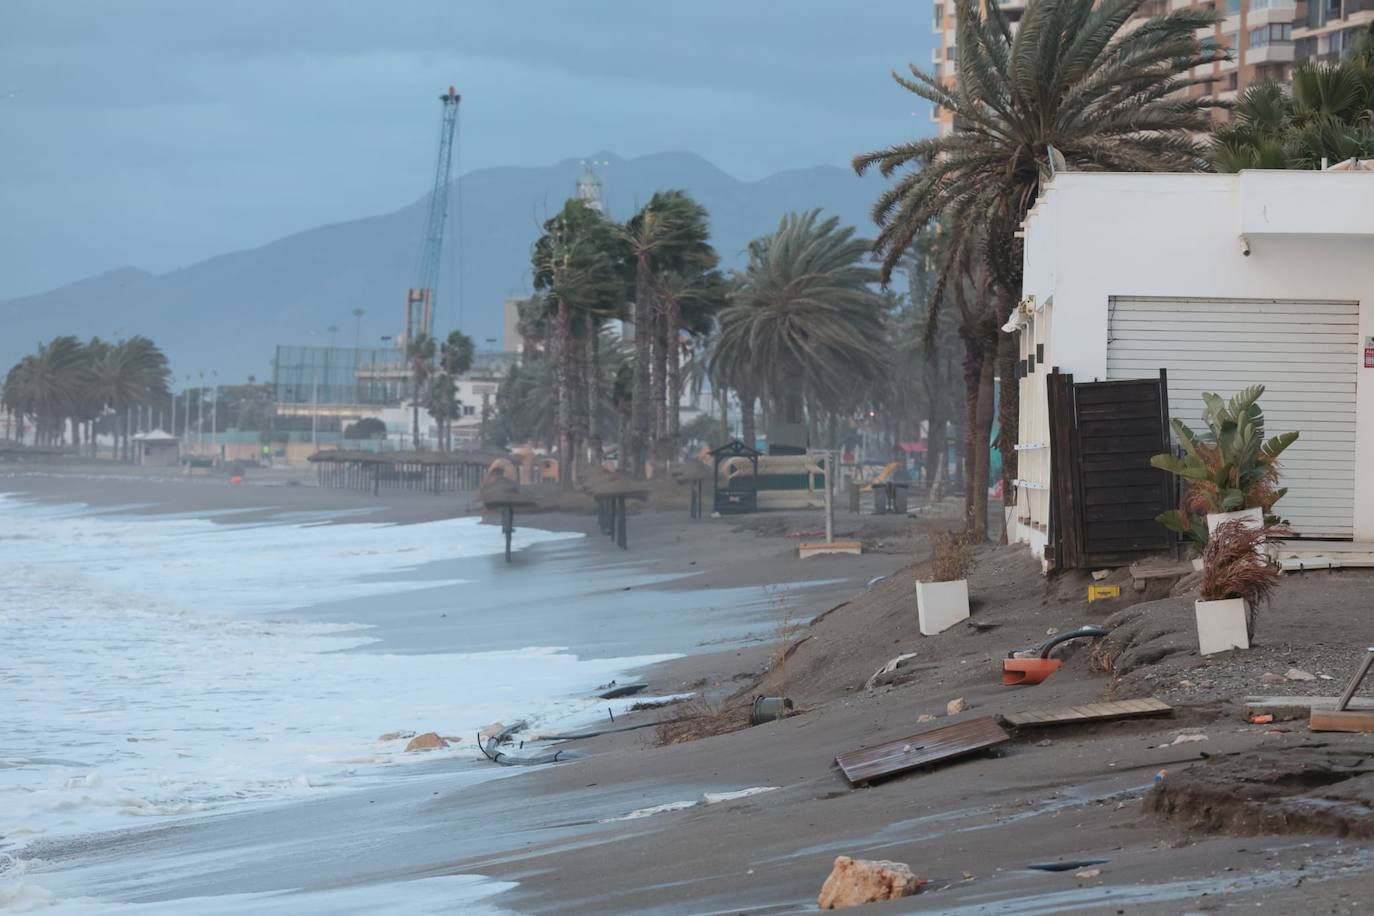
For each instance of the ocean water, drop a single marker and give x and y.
(160, 668)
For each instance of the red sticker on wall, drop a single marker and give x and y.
(1369, 358)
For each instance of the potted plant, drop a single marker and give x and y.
(1231, 474)
(1237, 577)
(942, 600)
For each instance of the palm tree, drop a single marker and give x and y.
(1077, 86)
(805, 325)
(577, 266)
(669, 233)
(1327, 116)
(420, 356)
(47, 385)
(132, 373)
(689, 303)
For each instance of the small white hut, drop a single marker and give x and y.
(157, 449)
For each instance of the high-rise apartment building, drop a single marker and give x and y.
(1265, 39)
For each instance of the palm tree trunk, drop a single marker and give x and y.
(973, 370)
(723, 399)
(746, 418)
(581, 399)
(672, 445)
(640, 405)
(563, 393)
(983, 441)
(593, 364)
(660, 382)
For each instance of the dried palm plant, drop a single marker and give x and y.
(1236, 565)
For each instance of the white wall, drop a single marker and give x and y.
(1094, 236)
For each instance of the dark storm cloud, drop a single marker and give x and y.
(158, 133)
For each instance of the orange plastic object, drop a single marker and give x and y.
(1028, 670)
(236, 480)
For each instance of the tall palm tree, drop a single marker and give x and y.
(1077, 86)
(805, 325)
(420, 355)
(577, 265)
(132, 373)
(671, 232)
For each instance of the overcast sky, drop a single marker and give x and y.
(156, 133)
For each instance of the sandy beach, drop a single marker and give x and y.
(751, 820)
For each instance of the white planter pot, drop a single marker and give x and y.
(1253, 518)
(1221, 625)
(1197, 564)
(940, 605)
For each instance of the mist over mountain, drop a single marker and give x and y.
(227, 313)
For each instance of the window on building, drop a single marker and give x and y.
(949, 52)
(1304, 49)
(1232, 81)
(469, 410)
(1271, 34)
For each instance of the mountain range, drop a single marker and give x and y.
(227, 313)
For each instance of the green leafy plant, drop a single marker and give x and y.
(1232, 468)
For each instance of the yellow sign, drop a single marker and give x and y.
(1099, 592)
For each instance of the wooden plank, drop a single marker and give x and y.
(922, 749)
(1092, 712)
(1310, 702)
(1347, 721)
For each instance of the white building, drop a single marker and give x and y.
(1224, 281)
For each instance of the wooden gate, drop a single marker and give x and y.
(1105, 495)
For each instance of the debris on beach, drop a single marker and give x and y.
(956, 706)
(626, 690)
(429, 741)
(937, 745)
(396, 736)
(854, 882)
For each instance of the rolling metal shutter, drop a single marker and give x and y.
(1303, 353)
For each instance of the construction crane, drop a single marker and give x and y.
(421, 296)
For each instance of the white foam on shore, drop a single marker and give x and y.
(710, 798)
(469, 894)
(151, 670)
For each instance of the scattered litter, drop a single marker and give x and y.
(1103, 592)
(983, 626)
(924, 717)
(1032, 665)
(1262, 720)
(1043, 742)
(1052, 631)
(1068, 866)
(1088, 873)
(1270, 677)
(1161, 776)
(1185, 683)
(1297, 674)
(1326, 677)
(956, 706)
(1185, 739)
(1100, 574)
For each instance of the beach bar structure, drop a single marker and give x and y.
(157, 449)
(427, 472)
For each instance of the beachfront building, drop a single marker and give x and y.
(1221, 282)
(157, 449)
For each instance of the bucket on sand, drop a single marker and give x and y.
(769, 709)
